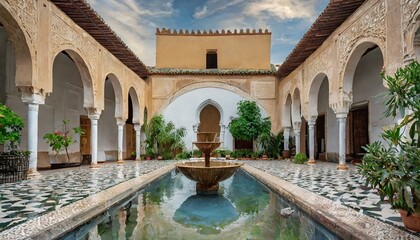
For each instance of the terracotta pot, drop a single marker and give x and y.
(286, 154)
(148, 158)
(264, 157)
(411, 222)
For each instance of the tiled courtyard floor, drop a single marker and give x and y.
(54, 189)
(346, 187)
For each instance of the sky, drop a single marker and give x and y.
(135, 21)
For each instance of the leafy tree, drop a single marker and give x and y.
(249, 124)
(11, 126)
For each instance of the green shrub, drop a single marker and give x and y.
(183, 155)
(300, 158)
(11, 126)
(197, 153)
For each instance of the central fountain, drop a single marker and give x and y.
(208, 174)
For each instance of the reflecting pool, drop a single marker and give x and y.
(170, 209)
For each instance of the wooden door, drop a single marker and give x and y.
(85, 137)
(360, 129)
(130, 140)
(320, 135)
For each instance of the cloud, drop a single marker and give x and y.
(133, 21)
(216, 6)
(282, 9)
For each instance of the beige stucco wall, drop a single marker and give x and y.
(260, 88)
(234, 51)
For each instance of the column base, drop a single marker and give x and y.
(342, 167)
(120, 162)
(94, 165)
(32, 173)
(138, 159)
(311, 161)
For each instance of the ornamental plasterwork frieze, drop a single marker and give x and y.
(321, 64)
(371, 25)
(63, 34)
(26, 14)
(411, 11)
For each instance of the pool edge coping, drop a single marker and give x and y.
(347, 223)
(53, 224)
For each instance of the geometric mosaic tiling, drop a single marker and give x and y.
(346, 187)
(53, 189)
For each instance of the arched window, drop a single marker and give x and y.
(211, 59)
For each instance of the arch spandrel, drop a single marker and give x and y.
(263, 104)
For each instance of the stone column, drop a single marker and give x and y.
(311, 126)
(296, 130)
(33, 100)
(222, 136)
(94, 117)
(120, 124)
(286, 138)
(137, 127)
(342, 142)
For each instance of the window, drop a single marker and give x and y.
(211, 59)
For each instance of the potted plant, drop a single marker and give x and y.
(61, 140)
(300, 158)
(395, 169)
(149, 153)
(14, 164)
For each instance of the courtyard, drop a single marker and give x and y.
(117, 117)
(47, 205)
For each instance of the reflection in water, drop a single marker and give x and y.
(207, 213)
(170, 209)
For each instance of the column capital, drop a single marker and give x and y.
(296, 126)
(341, 115)
(341, 107)
(137, 126)
(311, 120)
(32, 95)
(120, 121)
(94, 116)
(93, 113)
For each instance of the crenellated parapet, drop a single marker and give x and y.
(165, 31)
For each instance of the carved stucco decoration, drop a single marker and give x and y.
(371, 25)
(321, 64)
(26, 14)
(410, 23)
(65, 35)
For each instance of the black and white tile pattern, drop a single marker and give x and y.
(53, 189)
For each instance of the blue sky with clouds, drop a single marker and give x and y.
(135, 21)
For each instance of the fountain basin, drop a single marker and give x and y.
(208, 178)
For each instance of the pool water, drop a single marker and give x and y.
(170, 209)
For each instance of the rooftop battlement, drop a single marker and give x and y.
(211, 32)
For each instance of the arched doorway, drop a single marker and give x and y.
(362, 78)
(209, 119)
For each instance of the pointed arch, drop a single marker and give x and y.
(118, 93)
(88, 99)
(24, 61)
(350, 68)
(136, 105)
(296, 109)
(314, 93)
(204, 104)
(287, 111)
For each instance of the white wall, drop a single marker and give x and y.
(367, 85)
(182, 111)
(331, 124)
(107, 127)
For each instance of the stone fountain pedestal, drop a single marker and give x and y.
(208, 173)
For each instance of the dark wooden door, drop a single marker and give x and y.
(360, 123)
(85, 137)
(320, 135)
